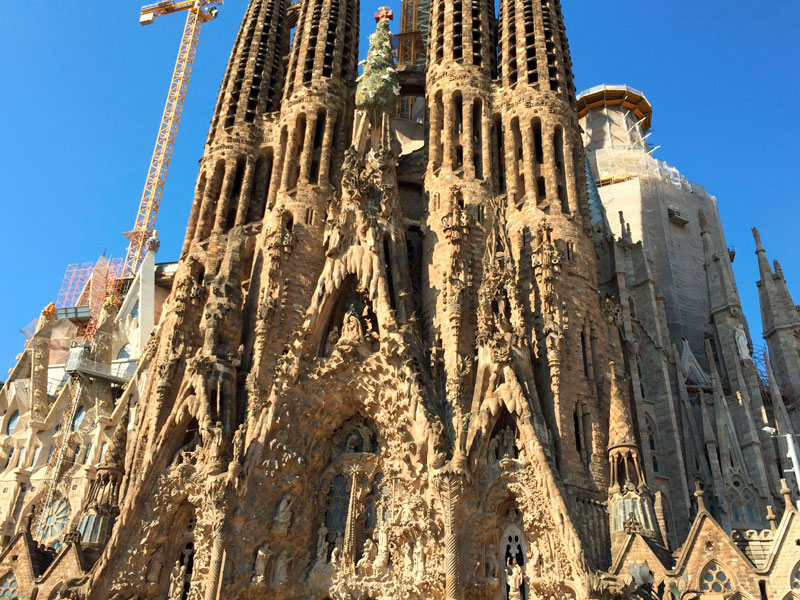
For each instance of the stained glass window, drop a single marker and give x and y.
(715, 580)
(8, 587)
(54, 522)
(12, 423)
(76, 421)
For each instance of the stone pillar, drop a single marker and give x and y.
(450, 494)
(215, 565)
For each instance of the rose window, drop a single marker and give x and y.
(715, 580)
(54, 521)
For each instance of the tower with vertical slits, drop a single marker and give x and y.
(390, 365)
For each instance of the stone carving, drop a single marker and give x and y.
(742, 345)
(515, 580)
(260, 566)
(281, 569)
(283, 516)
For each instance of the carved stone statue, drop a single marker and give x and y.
(281, 569)
(260, 567)
(333, 338)
(335, 557)
(322, 544)
(283, 516)
(352, 328)
(534, 560)
(419, 562)
(742, 344)
(367, 558)
(176, 581)
(515, 580)
(492, 565)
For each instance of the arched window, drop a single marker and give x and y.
(124, 352)
(715, 580)
(8, 586)
(795, 579)
(78, 418)
(514, 551)
(12, 423)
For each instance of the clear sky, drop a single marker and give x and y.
(85, 84)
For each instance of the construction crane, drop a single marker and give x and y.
(200, 11)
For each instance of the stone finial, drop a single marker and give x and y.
(384, 13)
(787, 494)
(153, 244)
(771, 518)
(699, 493)
(778, 269)
(49, 311)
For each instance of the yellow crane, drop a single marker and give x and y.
(199, 12)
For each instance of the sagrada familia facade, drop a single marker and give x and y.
(491, 351)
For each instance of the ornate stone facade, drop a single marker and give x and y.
(422, 369)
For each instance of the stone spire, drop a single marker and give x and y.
(780, 322)
(620, 428)
(630, 503)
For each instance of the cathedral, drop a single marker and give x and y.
(441, 329)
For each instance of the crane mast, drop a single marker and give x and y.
(199, 12)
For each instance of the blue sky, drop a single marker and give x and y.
(85, 85)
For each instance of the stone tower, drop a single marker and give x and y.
(391, 366)
(781, 322)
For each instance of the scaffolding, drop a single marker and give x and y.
(75, 279)
(88, 285)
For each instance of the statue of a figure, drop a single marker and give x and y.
(367, 558)
(492, 566)
(260, 565)
(281, 569)
(333, 338)
(419, 562)
(352, 328)
(534, 560)
(509, 442)
(283, 516)
(515, 580)
(176, 581)
(741, 343)
(492, 452)
(382, 559)
(408, 562)
(322, 544)
(335, 557)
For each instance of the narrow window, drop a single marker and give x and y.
(498, 160)
(319, 134)
(260, 189)
(236, 194)
(519, 163)
(458, 127)
(477, 137)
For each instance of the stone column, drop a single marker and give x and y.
(215, 565)
(450, 494)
